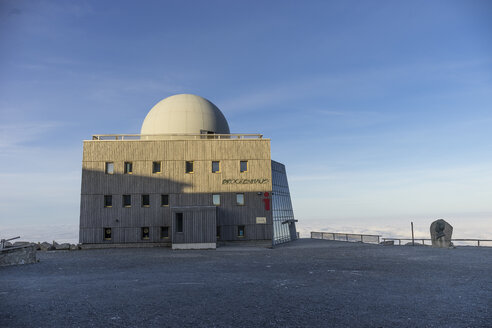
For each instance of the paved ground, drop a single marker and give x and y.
(308, 283)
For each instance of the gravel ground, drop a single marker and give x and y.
(307, 283)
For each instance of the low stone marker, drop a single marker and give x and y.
(441, 233)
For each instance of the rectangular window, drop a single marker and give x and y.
(218, 231)
(108, 200)
(215, 167)
(240, 231)
(109, 168)
(243, 166)
(145, 201)
(145, 233)
(107, 233)
(164, 200)
(128, 167)
(156, 167)
(216, 199)
(164, 232)
(189, 167)
(127, 200)
(239, 199)
(179, 222)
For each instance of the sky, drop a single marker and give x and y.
(380, 110)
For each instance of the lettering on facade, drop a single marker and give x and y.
(245, 181)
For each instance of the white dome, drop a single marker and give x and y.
(184, 113)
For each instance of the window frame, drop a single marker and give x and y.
(218, 169)
(192, 167)
(237, 199)
(165, 228)
(143, 233)
(142, 200)
(125, 167)
(213, 199)
(110, 197)
(154, 163)
(241, 169)
(123, 201)
(105, 234)
(243, 229)
(107, 165)
(162, 198)
(179, 219)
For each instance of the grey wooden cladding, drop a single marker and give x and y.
(199, 225)
(195, 189)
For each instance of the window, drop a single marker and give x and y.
(164, 200)
(128, 167)
(156, 167)
(239, 199)
(107, 233)
(240, 231)
(218, 231)
(189, 167)
(215, 167)
(108, 201)
(127, 200)
(179, 222)
(145, 233)
(164, 232)
(243, 166)
(145, 201)
(216, 200)
(109, 168)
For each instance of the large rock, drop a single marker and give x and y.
(441, 233)
(45, 246)
(18, 255)
(62, 247)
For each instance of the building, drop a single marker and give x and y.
(185, 181)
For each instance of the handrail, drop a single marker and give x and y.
(175, 136)
(342, 236)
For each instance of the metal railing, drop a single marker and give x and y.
(373, 239)
(176, 136)
(349, 237)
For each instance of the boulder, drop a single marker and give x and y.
(62, 247)
(45, 246)
(441, 233)
(387, 243)
(74, 247)
(21, 243)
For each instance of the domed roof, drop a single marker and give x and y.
(184, 113)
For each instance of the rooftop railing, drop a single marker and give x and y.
(177, 136)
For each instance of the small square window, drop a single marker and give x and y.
(179, 222)
(107, 233)
(108, 200)
(109, 168)
(243, 166)
(127, 200)
(240, 231)
(216, 199)
(189, 167)
(218, 231)
(145, 233)
(215, 167)
(128, 167)
(145, 200)
(156, 167)
(164, 232)
(164, 200)
(239, 199)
